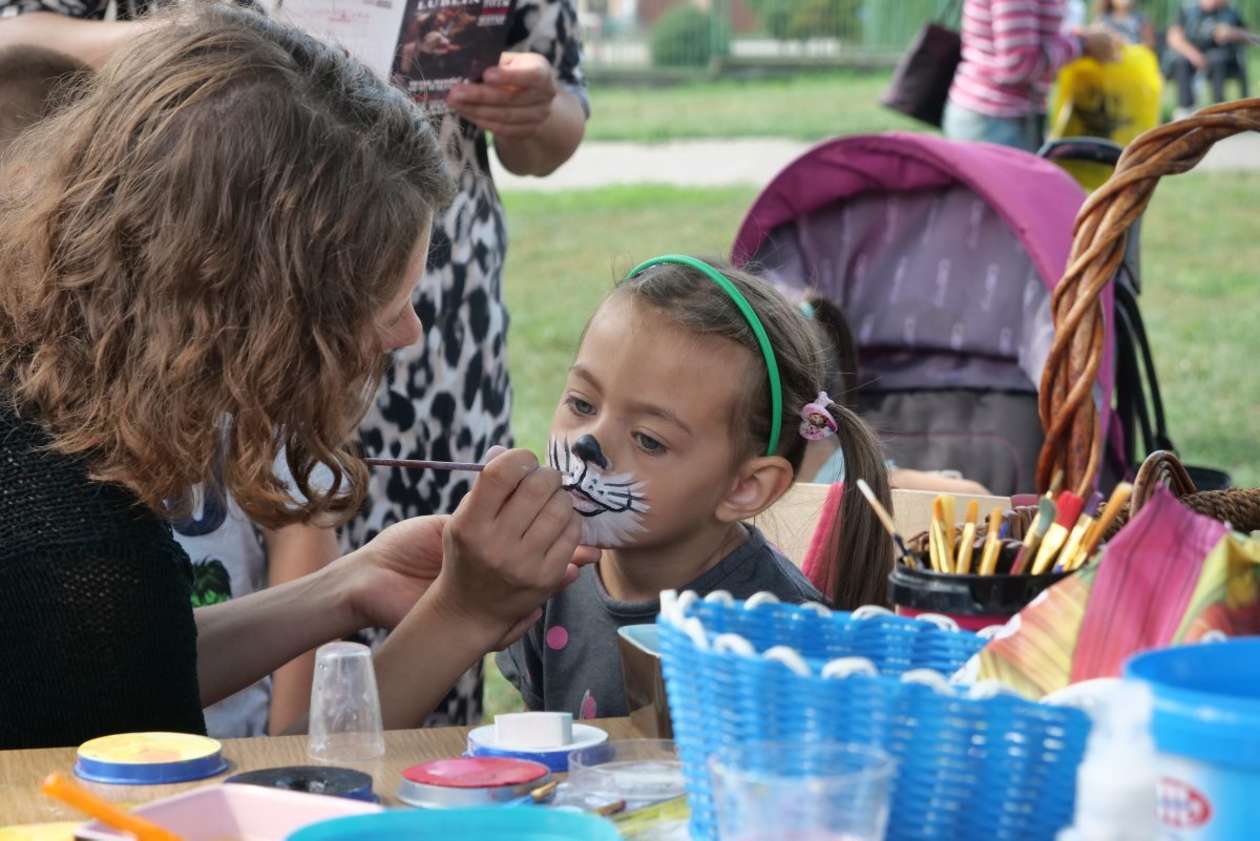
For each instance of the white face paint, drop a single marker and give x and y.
(612, 505)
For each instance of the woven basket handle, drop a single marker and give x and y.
(1073, 437)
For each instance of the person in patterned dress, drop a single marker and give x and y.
(447, 397)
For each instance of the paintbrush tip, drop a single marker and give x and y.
(866, 490)
(973, 511)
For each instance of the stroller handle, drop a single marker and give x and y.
(1073, 434)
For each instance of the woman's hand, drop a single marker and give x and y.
(512, 100)
(511, 544)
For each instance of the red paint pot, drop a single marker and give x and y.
(470, 781)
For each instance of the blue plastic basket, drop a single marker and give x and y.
(971, 765)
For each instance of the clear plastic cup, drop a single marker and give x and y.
(345, 721)
(801, 791)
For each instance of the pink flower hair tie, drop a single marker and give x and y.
(816, 420)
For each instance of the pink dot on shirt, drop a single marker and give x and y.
(557, 637)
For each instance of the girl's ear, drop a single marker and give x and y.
(758, 485)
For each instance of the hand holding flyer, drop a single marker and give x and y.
(512, 100)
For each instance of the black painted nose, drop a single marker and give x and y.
(587, 449)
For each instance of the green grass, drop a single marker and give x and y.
(809, 107)
(1201, 301)
(806, 107)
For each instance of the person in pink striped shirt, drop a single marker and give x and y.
(1011, 51)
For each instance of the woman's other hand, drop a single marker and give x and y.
(511, 544)
(513, 99)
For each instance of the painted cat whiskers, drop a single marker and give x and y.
(612, 505)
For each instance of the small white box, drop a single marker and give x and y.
(533, 731)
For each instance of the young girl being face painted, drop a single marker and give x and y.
(662, 430)
(665, 436)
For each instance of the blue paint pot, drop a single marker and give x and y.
(487, 822)
(1207, 731)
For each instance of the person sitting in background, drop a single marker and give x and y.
(1209, 37)
(824, 459)
(1124, 19)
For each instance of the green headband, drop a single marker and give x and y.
(763, 340)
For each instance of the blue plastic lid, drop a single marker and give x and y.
(646, 637)
(149, 758)
(1207, 700)
(519, 824)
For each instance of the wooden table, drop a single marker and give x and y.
(21, 771)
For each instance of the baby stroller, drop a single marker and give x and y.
(943, 256)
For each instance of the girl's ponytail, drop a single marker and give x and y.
(861, 551)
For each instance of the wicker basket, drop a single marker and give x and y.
(1073, 437)
(1239, 507)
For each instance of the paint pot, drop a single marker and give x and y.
(638, 771)
(460, 824)
(481, 743)
(234, 812)
(312, 779)
(1207, 732)
(470, 781)
(973, 601)
(149, 759)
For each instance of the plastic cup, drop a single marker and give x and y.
(345, 722)
(802, 791)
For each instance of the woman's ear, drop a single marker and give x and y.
(759, 484)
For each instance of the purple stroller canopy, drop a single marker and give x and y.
(1033, 198)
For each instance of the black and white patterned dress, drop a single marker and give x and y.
(448, 397)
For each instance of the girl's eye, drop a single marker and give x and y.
(580, 406)
(649, 444)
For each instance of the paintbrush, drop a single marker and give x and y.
(943, 553)
(1045, 516)
(886, 519)
(992, 543)
(1056, 482)
(1094, 536)
(1083, 524)
(943, 558)
(1067, 510)
(963, 566)
(948, 511)
(415, 464)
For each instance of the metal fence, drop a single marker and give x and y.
(700, 36)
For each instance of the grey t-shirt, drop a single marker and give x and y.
(569, 662)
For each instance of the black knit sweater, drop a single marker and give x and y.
(96, 624)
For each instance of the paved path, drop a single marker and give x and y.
(715, 163)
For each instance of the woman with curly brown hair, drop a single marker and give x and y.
(204, 259)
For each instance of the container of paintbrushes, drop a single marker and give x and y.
(987, 592)
(973, 601)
